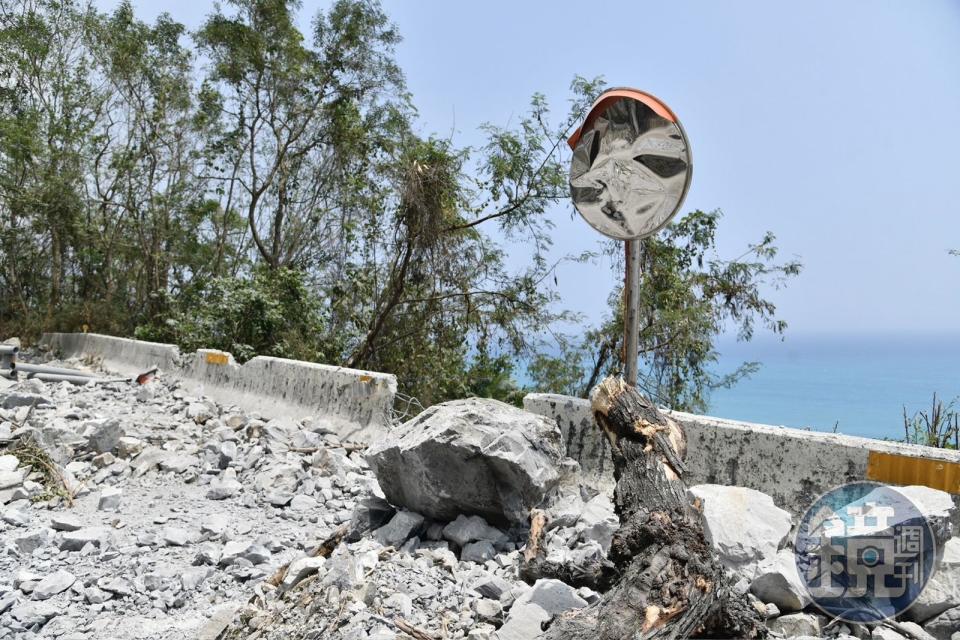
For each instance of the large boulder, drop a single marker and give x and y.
(936, 506)
(945, 625)
(778, 581)
(942, 591)
(473, 456)
(796, 625)
(743, 525)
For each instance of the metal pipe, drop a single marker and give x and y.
(38, 368)
(9, 349)
(631, 311)
(59, 377)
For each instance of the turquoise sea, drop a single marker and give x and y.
(858, 383)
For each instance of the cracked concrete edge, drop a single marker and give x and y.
(794, 466)
(354, 404)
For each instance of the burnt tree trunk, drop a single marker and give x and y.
(669, 582)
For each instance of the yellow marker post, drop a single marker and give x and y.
(217, 358)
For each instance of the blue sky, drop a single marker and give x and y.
(833, 124)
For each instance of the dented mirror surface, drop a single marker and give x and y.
(630, 171)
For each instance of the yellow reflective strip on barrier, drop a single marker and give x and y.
(365, 378)
(217, 358)
(905, 470)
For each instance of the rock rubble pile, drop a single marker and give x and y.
(135, 511)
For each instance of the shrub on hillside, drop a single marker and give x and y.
(272, 312)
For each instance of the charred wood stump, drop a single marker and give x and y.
(668, 581)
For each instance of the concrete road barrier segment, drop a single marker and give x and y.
(355, 404)
(121, 355)
(793, 466)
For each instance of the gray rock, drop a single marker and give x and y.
(402, 526)
(552, 596)
(10, 479)
(16, 517)
(7, 600)
(278, 478)
(104, 436)
(116, 586)
(279, 498)
(77, 540)
(246, 550)
(942, 590)
(110, 498)
(201, 412)
(343, 572)
(935, 506)
(916, 631)
(232, 550)
(65, 522)
(588, 594)
(371, 512)
(26, 580)
(178, 462)
(147, 460)
(399, 602)
(153, 581)
(104, 460)
(228, 453)
(303, 503)
(885, 633)
(944, 625)
(491, 586)
(778, 582)
(32, 540)
(9, 462)
(488, 610)
(598, 522)
(128, 447)
(19, 399)
(35, 613)
(224, 487)
(94, 595)
(300, 569)
(175, 537)
(193, 578)
(208, 553)
(472, 456)
(56, 582)
(743, 525)
(796, 624)
(214, 525)
(478, 552)
(214, 626)
(466, 529)
(523, 622)
(11, 495)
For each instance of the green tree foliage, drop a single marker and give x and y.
(262, 189)
(272, 313)
(688, 298)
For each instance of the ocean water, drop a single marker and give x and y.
(858, 383)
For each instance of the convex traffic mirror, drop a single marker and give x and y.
(631, 165)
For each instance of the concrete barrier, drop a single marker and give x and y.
(122, 355)
(355, 404)
(793, 466)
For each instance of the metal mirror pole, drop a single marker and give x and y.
(631, 311)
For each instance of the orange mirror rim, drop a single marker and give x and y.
(609, 97)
